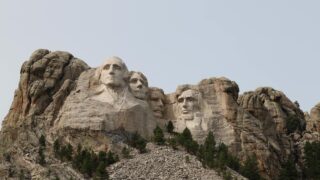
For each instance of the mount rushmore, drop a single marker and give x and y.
(60, 96)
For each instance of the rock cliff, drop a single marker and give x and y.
(61, 97)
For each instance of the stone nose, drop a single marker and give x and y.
(111, 70)
(184, 103)
(160, 103)
(139, 84)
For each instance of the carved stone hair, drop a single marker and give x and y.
(186, 87)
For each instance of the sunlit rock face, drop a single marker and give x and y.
(138, 84)
(60, 96)
(102, 101)
(313, 120)
(45, 81)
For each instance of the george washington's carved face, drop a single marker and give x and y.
(113, 73)
(188, 103)
(138, 85)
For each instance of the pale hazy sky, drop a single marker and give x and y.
(255, 43)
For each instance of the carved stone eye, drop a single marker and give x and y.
(189, 99)
(116, 67)
(180, 100)
(133, 80)
(106, 67)
(154, 99)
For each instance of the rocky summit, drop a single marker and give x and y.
(70, 121)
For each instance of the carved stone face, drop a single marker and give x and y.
(138, 86)
(113, 73)
(157, 102)
(187, 102)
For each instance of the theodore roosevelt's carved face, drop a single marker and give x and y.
(157, 102)
(113, 73)
(188, 104)
(139, 85)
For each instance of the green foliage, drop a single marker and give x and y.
(158, 136)
(111, 158)
(170, 127)
(293, 124)
(7, 157)
(56, 147)
(185, 139)
(224, 158)
(42, 160)
(138, 142)
(42, 146)
(250, 168)
(288, 170)
(89, 163)
(42, 141)
(207, 151)
(101, 172)
(312, 160)
(227, 176)
(63, 152)
(173, 143)
(66, 152)
(125, 153)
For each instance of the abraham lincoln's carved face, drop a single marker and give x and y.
(188, 104)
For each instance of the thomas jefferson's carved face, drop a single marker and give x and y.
(157, 103)
(187, 102)
(138, 86)
(113, 73)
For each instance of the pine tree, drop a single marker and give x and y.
(250, 168)
(42, 141)
(158, 136)
(42, 146)
(185, 139)
(170, 127)
(125, 153)
(173, 143)
(68, 152)
(42, 160)
(138, 142)
(111, 158)
(56, 147)
(101, 172)
(208, 150)
(222, 156)
(288, 170)
(312, 160)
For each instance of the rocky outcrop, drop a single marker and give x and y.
(272, 107)
(60, 97)
(46, 79)
(313, 120)
(213, 106)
